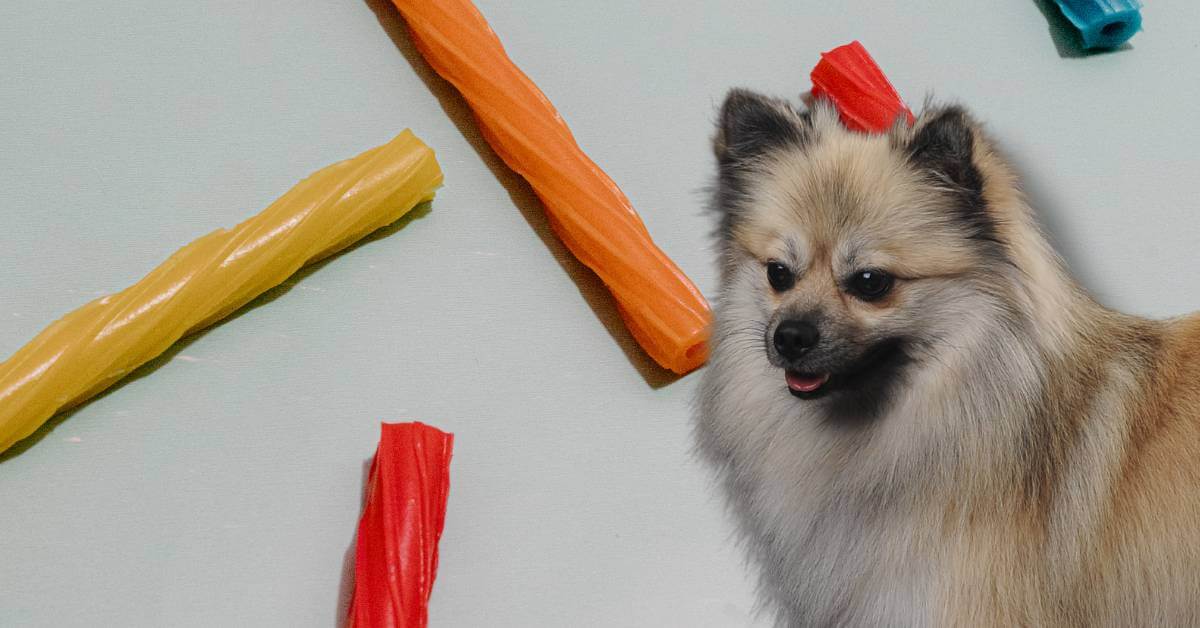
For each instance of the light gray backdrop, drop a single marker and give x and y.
(223, 487)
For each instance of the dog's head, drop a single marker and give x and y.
(849, 257)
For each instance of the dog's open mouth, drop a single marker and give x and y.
(805, 385)
(878, 365)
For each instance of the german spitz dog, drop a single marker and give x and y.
(917, 416)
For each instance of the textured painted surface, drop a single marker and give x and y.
(223, 488)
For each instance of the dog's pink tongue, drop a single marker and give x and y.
(805, 383)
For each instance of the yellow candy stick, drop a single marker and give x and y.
(91, 348)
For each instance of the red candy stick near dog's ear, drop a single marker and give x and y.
(864, 98)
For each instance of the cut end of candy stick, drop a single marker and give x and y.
(1103, 23)
(685, 351)
(864, 98)
(396, 554)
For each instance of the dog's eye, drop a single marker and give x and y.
(780, 277)
(869, 285)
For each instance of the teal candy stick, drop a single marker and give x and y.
(1103, 23)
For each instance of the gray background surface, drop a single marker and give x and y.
(222, 487)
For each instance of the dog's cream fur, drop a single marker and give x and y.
(1037, 462)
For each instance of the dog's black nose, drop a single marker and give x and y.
(793, 338)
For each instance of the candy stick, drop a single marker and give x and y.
(1103, 23)
(864, 98)
(396, 554)
(665, 313)
(91, 348)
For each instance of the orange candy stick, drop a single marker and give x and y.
(662, 308)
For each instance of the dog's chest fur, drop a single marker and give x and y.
(830, 554)
(864, 524)
(840, 563)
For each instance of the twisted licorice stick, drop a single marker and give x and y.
(662, 308)
(91, 348)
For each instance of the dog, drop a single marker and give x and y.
(917, 417)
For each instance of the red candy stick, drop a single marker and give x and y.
(396, 557)
(849, 78)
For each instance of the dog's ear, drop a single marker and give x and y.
(943, 146)
(752, 124)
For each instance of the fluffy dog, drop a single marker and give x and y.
(917, 416)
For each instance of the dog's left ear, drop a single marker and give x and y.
(944, 146)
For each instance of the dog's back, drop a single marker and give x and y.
(1149, 567)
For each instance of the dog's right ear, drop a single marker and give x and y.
(752, 124)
